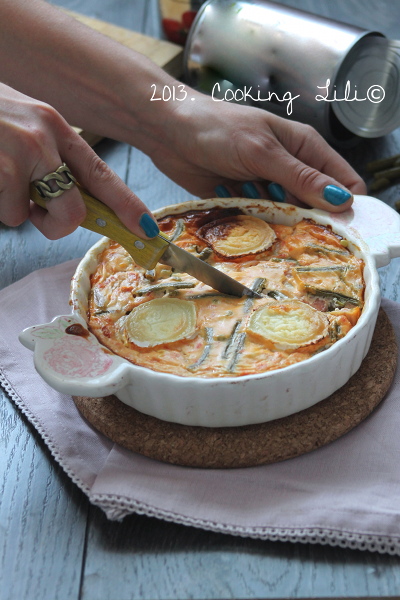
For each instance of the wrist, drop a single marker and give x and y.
(144, 119)
(170, 112)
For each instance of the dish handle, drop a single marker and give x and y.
(378, 225)
(71, 360)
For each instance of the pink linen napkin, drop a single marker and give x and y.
(345, 494)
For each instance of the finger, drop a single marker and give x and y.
(277, 193)
(14, 208)
(103, 183)
(254, 190)
(317, 153)
(268, 190)
(312, 171)
(63, 214)
(60, 219)
(257, 190)
(308, 184)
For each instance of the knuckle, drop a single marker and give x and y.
(36, 139)
(41, 132)
(308, 130)
(75, 213)
(32, 138)
(259, 141)
(67, 215)
(99, 171)
(48, 114)
(8, 168)
(100, 174)
(126, 203)
(306, 138)
(251, 148)
(305, 177)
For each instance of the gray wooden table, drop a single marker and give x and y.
(53, 543)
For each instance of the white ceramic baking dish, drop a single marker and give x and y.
(79, 365)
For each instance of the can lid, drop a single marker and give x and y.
(367, 87)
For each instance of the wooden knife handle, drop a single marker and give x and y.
(101, 219)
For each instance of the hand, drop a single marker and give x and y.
(211, 144)
(34, 141)
(203, 144)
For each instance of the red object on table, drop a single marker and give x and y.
(177, 31)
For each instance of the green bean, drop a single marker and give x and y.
(392, 173)
(379, 184)
(205, 253)
(312, 269)
(180, 226)
(337, 300)
(206, 349)
(277, 259)
(209, 295)
(166, 286)
(335, 331)
(276, 295)
(150, 274)
(382, 163)
(256, 286)
(239, 343)
(326, 251)
(231, 339)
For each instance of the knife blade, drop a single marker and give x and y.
(181, 260)
(148, 252)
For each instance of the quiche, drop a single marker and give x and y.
(311, 286)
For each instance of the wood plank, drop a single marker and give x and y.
(130, 14)
(152, 20)
(164, 54)
(42, 516)
(166, 561)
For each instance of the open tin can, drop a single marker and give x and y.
(341, 79)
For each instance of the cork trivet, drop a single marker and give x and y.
(250, 445)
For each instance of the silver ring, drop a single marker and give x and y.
(56, 183)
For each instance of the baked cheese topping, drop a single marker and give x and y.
(312, 288)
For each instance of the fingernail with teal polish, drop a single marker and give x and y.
(276, 192)
(148, 225)
(222, 192)
(336, 195)
(250, 191)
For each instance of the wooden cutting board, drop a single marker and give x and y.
(165, 54)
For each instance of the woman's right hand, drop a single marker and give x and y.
(210, 146)
(34, 141)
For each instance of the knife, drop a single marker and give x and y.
(148, 252)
